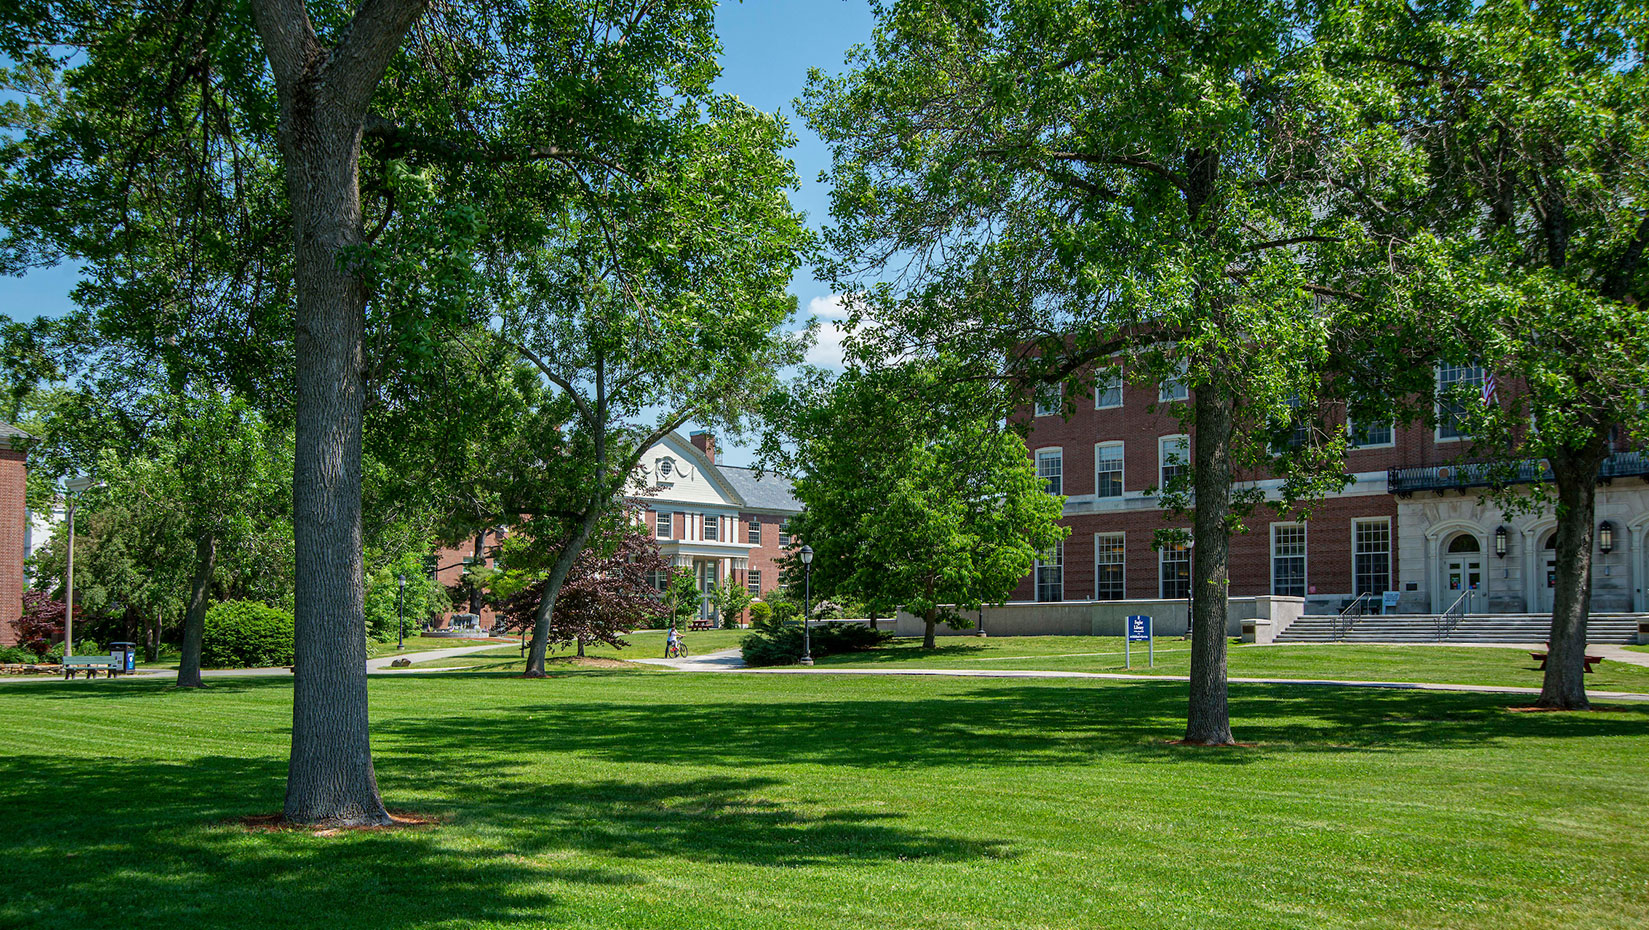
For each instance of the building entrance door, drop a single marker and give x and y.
(1548, 560)
(1463, 571)
(707, 585)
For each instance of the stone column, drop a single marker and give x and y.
(1434, 572)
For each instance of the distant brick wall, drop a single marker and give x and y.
(12, 516)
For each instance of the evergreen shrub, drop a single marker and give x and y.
(246, 634)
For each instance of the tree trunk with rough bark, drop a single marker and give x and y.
(1208, 716)
(930, 621)
(552, 588)
(1564, 686)
(194, 618)
(324, 94)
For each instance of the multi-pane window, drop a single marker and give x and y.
(755, 532)
(1109, 552)
(1108, 469)
(1298, 435)
(663, 525)
(1365, 435)
(1173, 459)
(712, 527)
(1175, 388)
(1174, 570)
(1050, 399)
(784, 535)
(1371, 556)
(1050, 467)
(1050, 574)
(1108, 390)
(1288, 559)
(1452, 380)
(657, 580)
(753, 582)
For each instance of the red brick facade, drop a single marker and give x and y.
(13, 513)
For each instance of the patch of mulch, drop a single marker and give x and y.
(276, 823)
(1595, 708)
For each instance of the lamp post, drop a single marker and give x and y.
(807, 605)
(1190, 586)
(401, 613)
(71, 487)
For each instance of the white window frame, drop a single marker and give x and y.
(1464, 377)
(712, 528)
(1351, 436)
(1182, 442)
(1050, 399)
(753, 582)
(1121, 471)
(1051, 454)
(1057, 564)
(664, 525)
(754, 532)
(1162, 562)
(1355, 523)
(1110, 380)
(1175, 389)
(1304, 556)
(784, 534)
(1123, 565)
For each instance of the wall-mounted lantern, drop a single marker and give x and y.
(1606, 537)
(1500, 535)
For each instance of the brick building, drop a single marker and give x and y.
(13, 520)
(1409, 522)
(718, 522)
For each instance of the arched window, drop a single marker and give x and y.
(1465, 542)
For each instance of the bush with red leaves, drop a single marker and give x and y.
(41, 624)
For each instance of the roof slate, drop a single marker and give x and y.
(768, 492)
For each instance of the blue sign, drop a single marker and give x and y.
(1139, 629)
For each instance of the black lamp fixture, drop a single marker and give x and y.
(807, 605)
(1500, 535)
(1605, 537)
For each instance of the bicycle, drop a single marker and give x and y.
(676, 650)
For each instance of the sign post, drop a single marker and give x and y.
(1139, 631)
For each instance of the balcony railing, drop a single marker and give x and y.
(1481, 475)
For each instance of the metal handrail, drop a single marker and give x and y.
(1349, 615)
(1449, 619)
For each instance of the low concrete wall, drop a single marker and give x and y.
(1266, 617)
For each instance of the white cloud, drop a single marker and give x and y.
(832, 314)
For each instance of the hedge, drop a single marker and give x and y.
(246, 634)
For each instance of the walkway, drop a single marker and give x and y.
(375, 666)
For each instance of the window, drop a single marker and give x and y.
(1175, 388)
(658, 580)
(1371, 556)
(1050, 400)
(1297, 434)
(666, 467)
(1288, 559)
(1050, 467)
(711, 527)
(1050, 574)
(1108, 469)
(1371, 435)
(753, 582)
(1108, 389)
(784, 534)
(1450, 382)
(1174, 570)
(1108, 562)
(663, 525)
(1173, 459)
(755, 532)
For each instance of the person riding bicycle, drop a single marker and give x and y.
(672, 643)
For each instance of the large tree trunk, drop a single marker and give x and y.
(930, 621)
(552, 589)
(194, 619)
(1564, 686)
(323, 94)
(1208, 718)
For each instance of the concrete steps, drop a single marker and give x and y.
(1621, 629)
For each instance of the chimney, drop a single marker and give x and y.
(705, 442)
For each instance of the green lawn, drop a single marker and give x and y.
(662, 800)
(1339, 661)
(648, 644)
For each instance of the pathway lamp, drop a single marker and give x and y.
(1190, 587)
(72, 487)
(401, 613)
(807, 605)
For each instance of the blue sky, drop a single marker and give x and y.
(769, 45)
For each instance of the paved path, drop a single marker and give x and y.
(376, 666)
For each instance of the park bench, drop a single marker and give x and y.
(110, 665)
(1541, 658)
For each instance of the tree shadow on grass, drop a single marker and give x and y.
(991, 724)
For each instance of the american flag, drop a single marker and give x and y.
(1488, 388)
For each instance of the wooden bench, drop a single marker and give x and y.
(111, 665)
(1541, 658)
(701, 625)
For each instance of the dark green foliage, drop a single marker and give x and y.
(774, 643)
(761, 613)
(246, 634)
(11, 655)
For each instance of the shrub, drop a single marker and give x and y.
(246, 634)
(761, 614)
(16, 655)
(41, 624)
(776, 644)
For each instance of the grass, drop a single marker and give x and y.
(646, 644)
(1637, 648)
(662, 800)
(1470, 665)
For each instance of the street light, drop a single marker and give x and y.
(807, 605)
(401, 614)
(1190, 586)
(72, 487)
